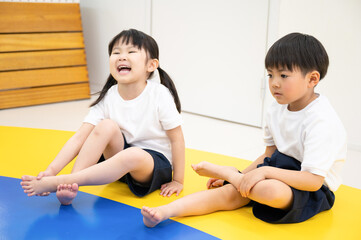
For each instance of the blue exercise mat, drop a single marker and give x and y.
(89, 217)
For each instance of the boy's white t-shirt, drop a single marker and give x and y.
(315, 136)
(142, 120)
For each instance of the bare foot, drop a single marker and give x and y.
(152, 216)
(32, 186)
(66, 193)
(208, 169)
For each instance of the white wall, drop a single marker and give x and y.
(336, 23)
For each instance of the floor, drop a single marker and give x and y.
(111, 211)
(200, 132)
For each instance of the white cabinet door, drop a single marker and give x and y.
(214, 51)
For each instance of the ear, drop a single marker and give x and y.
(314, 78)
(153, 65)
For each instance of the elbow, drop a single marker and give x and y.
(317, 183)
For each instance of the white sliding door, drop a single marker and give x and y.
(214, 51)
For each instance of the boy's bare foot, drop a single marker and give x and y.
(211, 170)
(66, 193)
(32, 186)
(152, 216)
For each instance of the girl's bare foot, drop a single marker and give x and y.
(32, 186)
(152, 216)
(66, 193)
(208, 169)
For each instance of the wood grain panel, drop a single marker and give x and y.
(46, 59)
(42, 77)
(39, 17)
(34, 96)
(40, 41)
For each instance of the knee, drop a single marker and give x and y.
(232, 197)
(136, 157)
(270, 191)
(106, 126)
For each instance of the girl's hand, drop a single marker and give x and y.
(45, 173)
(40, 176)
(215, 182)
(168, 189)
(250, 179)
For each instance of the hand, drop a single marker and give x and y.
(40, 176)
(168, 189)
(250, 179)
(215, 182)
(45, 173)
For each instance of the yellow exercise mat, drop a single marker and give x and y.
(26, 151)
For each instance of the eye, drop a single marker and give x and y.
(283, 76)
(269, 76)
(115, 52)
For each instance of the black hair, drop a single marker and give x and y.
(141, 41)
(297, 50)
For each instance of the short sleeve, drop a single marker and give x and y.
(168, 114)
(96, 114)
(267, 134)
(322, 144)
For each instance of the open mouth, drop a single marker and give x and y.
(123, 69)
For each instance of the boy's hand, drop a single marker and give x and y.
(249, 180)
(168, 189)
(215, 182)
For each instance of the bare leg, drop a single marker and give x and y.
(208, 169)
(270, 192)
(136, 161)
(108, 139)
(105, 138)
(199, 203)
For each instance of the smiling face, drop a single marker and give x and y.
(129, 64)
(292, 87)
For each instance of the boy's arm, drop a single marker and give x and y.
(301, 180)
(69, 151)
(176, 138)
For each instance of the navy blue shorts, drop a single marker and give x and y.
(162, 173)
(305, 204)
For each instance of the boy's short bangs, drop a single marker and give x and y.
(300, 51)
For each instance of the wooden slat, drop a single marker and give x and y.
(39, 17)
(42, 77)
(34, 96)
(46, 59)
(40, 41)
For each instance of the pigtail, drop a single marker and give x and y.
(109, 83)
(167, 81)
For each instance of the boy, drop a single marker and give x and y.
(305, 148)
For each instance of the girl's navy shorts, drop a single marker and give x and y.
(162, 173)
(305, 204)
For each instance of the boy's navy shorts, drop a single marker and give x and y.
(305, 204)
(162, 173)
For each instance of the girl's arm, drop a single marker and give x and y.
(69, 151)
(178, 155)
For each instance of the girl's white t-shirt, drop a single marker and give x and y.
(142, 120)
(315, 136)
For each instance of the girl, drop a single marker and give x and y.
(133, 130)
